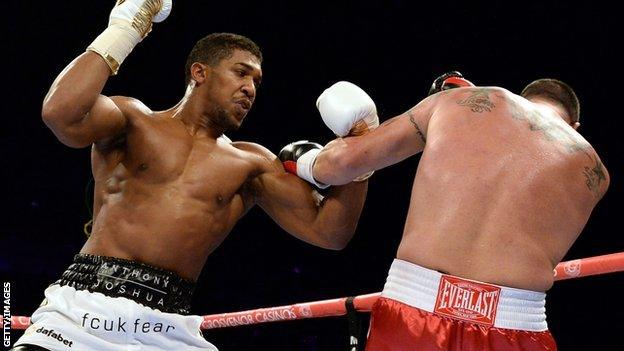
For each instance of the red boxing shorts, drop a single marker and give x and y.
(425, 310)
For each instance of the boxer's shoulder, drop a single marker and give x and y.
(254, 149)
(485, 92)
(259, 156)
(132, 108)
(468, 99)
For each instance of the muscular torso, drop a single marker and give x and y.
(164, 197)
(502, 190)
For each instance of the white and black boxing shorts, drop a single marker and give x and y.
(106, 303)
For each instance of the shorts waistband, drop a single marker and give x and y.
(464, 299)
(150, 286)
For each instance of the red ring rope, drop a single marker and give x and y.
(363, 303)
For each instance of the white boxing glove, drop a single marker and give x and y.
(130, 21)
(347, 110)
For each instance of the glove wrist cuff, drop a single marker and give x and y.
(115, 44)
(305, 166)
(364, 126)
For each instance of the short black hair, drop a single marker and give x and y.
(215, 47)
(557, 91)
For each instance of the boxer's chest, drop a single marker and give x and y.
(199, 168)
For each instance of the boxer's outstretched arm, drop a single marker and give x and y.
(297, 208)
(398, 138)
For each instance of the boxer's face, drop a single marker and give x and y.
(231, 88)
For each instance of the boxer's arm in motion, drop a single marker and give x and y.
(75, 110)
(329, 223)
(396, 139)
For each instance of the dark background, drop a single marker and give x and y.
(392, 49)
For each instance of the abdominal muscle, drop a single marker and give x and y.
(172, 231)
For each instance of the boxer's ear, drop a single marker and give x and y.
(200, 72)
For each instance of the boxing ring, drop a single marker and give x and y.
(350, 306)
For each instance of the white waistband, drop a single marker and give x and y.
(417, 286)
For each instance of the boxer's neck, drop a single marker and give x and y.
(192, 111)
(553, 106)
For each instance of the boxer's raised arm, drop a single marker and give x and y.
(74, 108)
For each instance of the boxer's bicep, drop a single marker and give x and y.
(407, 132)
(103, 121)
(298, 208)
(289, 200)
(393, 141)
(106, 119)
(293, 204)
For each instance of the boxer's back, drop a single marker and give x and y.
(503, 189)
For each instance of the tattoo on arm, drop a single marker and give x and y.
(478, 101)
(418, 131)
(594, 176)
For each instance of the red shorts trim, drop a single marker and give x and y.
(396, 327)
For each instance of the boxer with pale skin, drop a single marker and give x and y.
(504, 186)
(169, 188)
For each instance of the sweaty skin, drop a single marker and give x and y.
(167, 190)
(503, 188)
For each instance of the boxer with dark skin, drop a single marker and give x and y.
(503, 188)
(167, 189)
